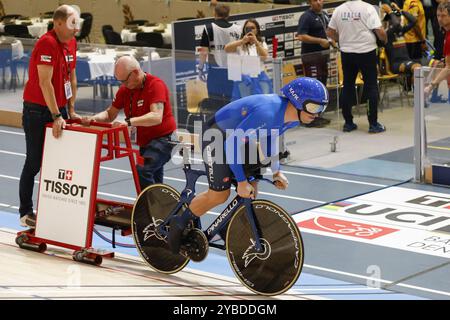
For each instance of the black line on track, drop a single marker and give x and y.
(417, 274)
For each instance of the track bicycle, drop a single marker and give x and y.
(263, 244)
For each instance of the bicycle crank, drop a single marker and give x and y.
(194, 245)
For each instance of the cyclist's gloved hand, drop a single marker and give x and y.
(245, 190)
(280, 180)
(202, 73)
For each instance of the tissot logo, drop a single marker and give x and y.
(64, 188)
(65, 174)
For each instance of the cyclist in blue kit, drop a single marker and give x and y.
(258, 118)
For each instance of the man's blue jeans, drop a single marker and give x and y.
(156, 154)
(34, 120)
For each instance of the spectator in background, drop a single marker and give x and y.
(215, 36)
(415, 38)
(396, 50)
(355, 25)
(439, 37)
(443, 16)
(429, 7)
(311, 32)
(251, 43)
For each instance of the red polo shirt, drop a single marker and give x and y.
(62, 57)
(154, 91)
(447, 44)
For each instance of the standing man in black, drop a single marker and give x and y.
(311, 32)
(356, 25)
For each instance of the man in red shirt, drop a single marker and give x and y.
(146, 104)
(51, 85)
(443, 16)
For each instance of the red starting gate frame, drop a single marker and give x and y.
(108, 139)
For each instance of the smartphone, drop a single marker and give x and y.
(248, 30)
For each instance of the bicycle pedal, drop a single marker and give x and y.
(194, 245)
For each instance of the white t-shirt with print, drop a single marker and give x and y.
(354, 22)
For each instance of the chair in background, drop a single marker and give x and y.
(106, 27)
(86, 27)
(152, 39)
(5, 61)
(196, 96)
(17, 30)
(20, 59)
(84, 76)
(386, 76)
(112, 37)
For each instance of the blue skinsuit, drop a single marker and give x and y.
(257, 115)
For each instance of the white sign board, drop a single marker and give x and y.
(401, 218)
(65, 188)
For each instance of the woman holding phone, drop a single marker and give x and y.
(251, 43)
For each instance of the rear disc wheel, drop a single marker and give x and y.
(151, 208)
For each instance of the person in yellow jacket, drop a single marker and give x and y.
(415, 38)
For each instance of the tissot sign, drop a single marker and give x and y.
(65, 187)
(401, 218)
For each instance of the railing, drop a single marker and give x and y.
(325, 147)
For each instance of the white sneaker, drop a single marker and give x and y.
(28, 221)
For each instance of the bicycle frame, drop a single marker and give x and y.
(222, 220)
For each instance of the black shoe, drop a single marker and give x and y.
(348, 127)
(175, 233)
(377, 128)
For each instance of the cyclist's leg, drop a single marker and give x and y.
(219, 180)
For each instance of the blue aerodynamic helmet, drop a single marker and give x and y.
(307, 94)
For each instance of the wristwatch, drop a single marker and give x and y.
(56, 116)
(128, 121)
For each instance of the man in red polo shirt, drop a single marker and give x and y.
(51, 85)
(443, 16)
(145, 101)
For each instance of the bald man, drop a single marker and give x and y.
(145, 101)
(51, 86)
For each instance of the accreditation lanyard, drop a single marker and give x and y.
(130, 106)
(132, 129)
(67, 84)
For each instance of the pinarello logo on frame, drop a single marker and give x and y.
(348, 228)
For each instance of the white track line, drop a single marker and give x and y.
(377, 280)
(200, 183)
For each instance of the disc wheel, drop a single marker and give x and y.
(151, 208)
(277, 266)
